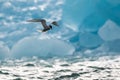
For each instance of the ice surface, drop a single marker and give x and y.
(113, 46)
(92, 23)
(90, 40)
(110, 31)
(33, 46)
(75, 12)
(84, 24)
(114, 2)
(4, 50)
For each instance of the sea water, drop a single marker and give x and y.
(68, 68)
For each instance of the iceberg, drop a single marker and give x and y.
(114, 46)
(32, 46)
(84, 25)
(92, 23)
(4, 50)
(89, 40)
(109, 31)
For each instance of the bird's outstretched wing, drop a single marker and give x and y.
(43, 22)
(35, 20)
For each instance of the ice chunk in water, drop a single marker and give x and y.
(110, 31)
(32, 46)
(90, 40)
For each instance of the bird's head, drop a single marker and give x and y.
(55, 23)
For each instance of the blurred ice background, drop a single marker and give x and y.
(89, 29)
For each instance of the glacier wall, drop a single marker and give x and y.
(91, 26)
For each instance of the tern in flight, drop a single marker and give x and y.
(43, 22)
